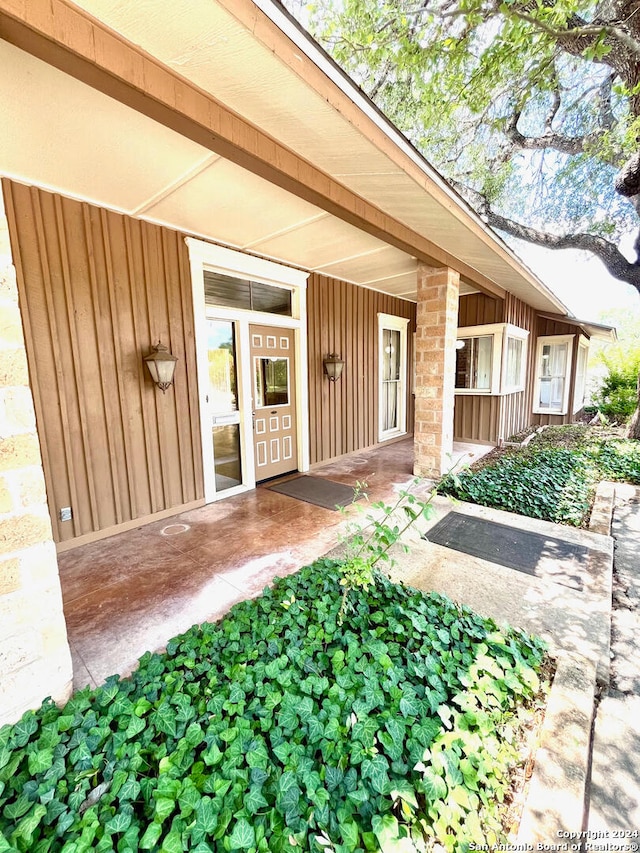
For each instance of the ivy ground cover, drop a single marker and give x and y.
(554, 478)
(277, 729)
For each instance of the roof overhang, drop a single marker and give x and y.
(292, 162)
(595, 331)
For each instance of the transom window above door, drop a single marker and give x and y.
(230, 292)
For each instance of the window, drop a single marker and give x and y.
(581, 374)
(392, 338)
(552, 376)
(231, 292)
(473, 363)
(491, 359)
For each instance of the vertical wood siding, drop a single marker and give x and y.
(97, 289)
(343, 318)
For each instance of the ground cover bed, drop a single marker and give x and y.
(279, 729)
(554, 477)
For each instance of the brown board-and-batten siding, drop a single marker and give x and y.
(97, 290)
(343, 319)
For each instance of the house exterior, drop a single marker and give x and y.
(200, 174)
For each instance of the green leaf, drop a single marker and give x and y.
(254, 800)
(243, 836)
(350, 834)
(28, 825)
(206, 816)
(172, 843)
(151, 836)
(120, 822)
(409, 706)
(434, 786)
(40, 761)
(24, 728)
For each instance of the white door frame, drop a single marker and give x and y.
(219, 259)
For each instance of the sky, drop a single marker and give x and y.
(580, 281)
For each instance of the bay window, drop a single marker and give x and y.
(491, 359)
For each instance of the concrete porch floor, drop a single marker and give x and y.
(133, 592)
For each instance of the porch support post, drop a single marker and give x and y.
(35, 661)
(436, 322)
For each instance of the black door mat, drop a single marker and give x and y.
(532, 553)
(316, 490)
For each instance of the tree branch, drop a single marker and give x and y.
(608, 253)
(549, 139)
(583, 31)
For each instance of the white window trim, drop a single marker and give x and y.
(553, 339)
(583, 343)
(400, 324)
(522, 335)
(500, 333)
(203, 255)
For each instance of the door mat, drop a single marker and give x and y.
(533, 553)
(316, 490)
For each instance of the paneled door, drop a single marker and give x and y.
(273, 399)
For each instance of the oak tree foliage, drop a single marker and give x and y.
(529, 108)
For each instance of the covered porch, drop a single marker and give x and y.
(132, 592)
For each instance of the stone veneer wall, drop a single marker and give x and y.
(436, 328)
(35, 661)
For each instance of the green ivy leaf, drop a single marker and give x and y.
(243, 836)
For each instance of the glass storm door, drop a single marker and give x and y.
(273, 383)
(223, 403)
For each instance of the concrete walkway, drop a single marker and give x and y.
(570, 620)
(614, 802)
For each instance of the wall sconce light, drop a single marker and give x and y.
(333, 365)
(161, 364)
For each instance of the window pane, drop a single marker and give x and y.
(227, 291)
(553, 367)
(463, 363)
(473, 363)
(272, 382)
(222, 366)
(482, 365)
(514, 362)
(390, 405)
(274, 300)
(391, 354)
(226, 453)
(232, 292)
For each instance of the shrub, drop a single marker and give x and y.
(278, 730)
(617, 397)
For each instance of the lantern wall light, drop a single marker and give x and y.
(161, 364)
(333, 365)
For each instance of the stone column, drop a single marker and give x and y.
(35, 661)
(437, 322)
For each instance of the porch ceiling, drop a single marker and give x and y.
(233, 50)
(125, 161)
